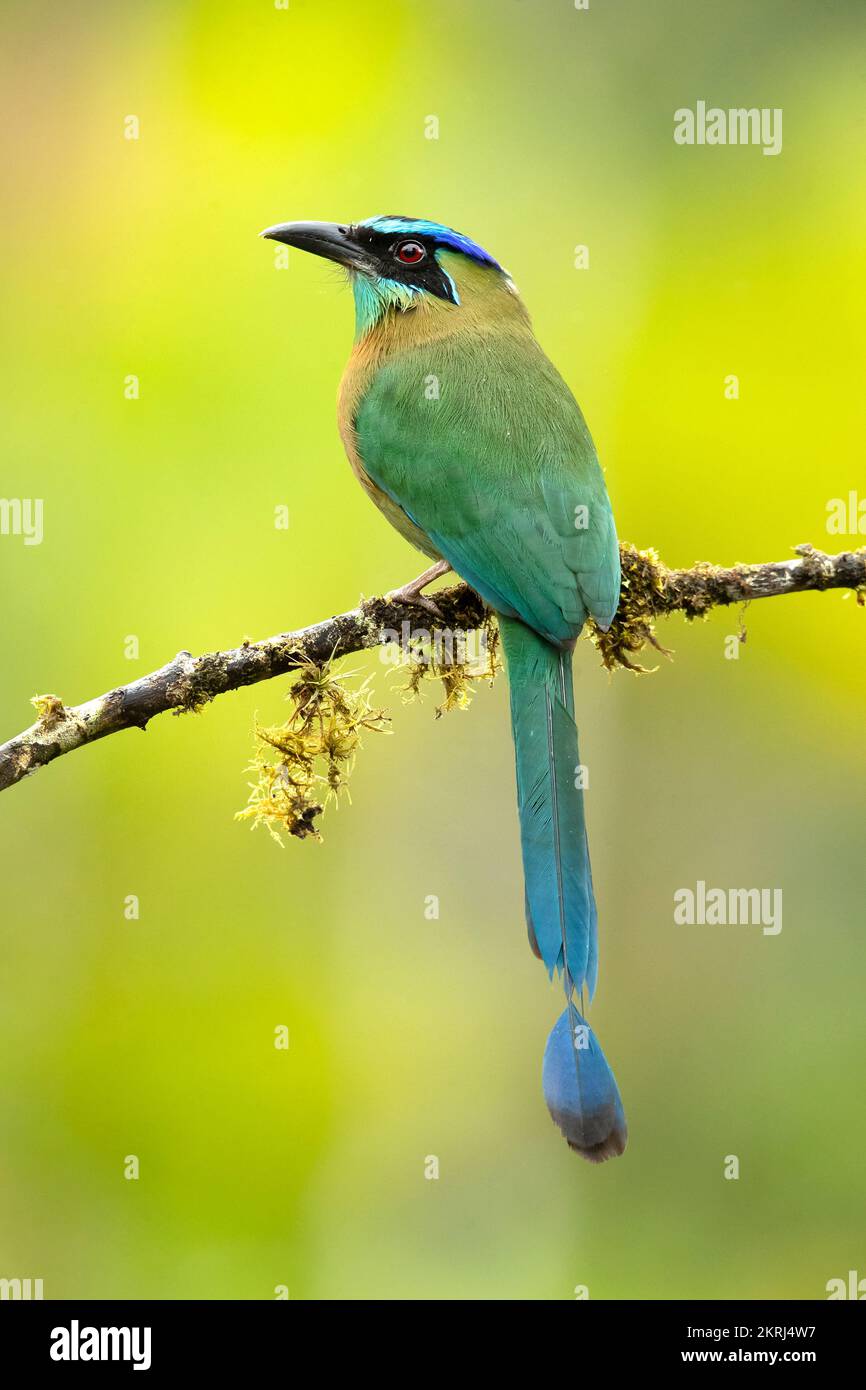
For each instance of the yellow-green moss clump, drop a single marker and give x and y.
(643, 584)
(459, 660)
(302, 765)
(50, 709)
(306, 762)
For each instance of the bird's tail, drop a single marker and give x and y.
(579, 1086)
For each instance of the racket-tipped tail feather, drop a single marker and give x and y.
(581, 1093)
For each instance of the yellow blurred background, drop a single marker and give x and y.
(411, 1037)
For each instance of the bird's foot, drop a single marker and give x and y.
(411, 593)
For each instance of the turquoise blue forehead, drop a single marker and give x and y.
(445, 237)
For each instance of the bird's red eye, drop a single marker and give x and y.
(411, 252)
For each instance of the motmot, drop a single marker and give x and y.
(494, 475)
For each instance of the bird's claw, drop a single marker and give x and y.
(410, 595)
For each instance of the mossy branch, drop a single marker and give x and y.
(650, 590)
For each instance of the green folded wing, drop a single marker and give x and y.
(481, 443)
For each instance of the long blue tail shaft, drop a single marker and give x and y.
(561, 917)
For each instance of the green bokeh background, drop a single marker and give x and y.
(411, 1037)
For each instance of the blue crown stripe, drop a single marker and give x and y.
(445, 236)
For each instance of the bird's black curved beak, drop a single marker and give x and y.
(327, 239)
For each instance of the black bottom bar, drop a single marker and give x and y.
(152, 1338)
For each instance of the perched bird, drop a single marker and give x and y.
(464, 434)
